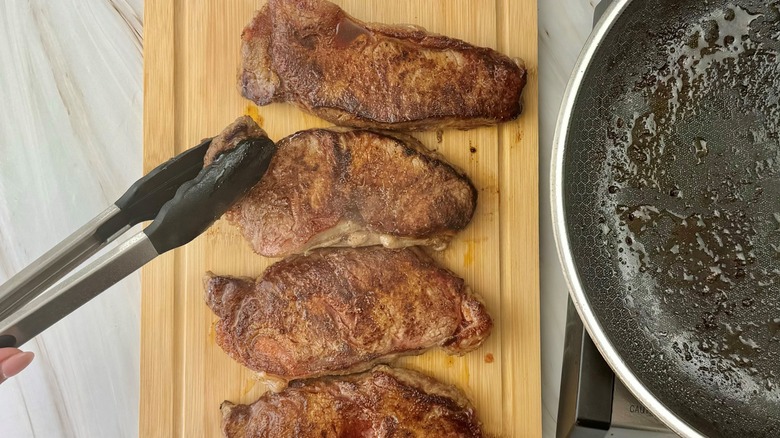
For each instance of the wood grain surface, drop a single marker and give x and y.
(191, 57)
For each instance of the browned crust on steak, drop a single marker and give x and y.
(343, 310)
(369, 75)
(340, 187)
(241, 129)
(384, 402)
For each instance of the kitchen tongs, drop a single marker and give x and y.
(184, 199)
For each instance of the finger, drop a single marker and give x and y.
(15, 364)
(5, 353)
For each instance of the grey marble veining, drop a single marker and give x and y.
(70, 144)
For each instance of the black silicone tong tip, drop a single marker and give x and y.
(144, 199)
(201, 201)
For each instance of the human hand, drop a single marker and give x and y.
(13, 361)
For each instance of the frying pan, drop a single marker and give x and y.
(666, 207)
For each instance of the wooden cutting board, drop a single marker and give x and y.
(191, 57)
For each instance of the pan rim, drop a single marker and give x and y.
(571, 276)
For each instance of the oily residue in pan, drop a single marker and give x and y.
(693, 195)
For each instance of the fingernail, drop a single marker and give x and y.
(16, 363)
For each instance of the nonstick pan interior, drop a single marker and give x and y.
(671, 191)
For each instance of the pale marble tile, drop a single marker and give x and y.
(70, 144)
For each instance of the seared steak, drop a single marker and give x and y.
(336, 187)
(243, 128)
(368, 75)
(384, 402)
(339, 311)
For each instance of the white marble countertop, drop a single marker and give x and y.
(70, 144)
